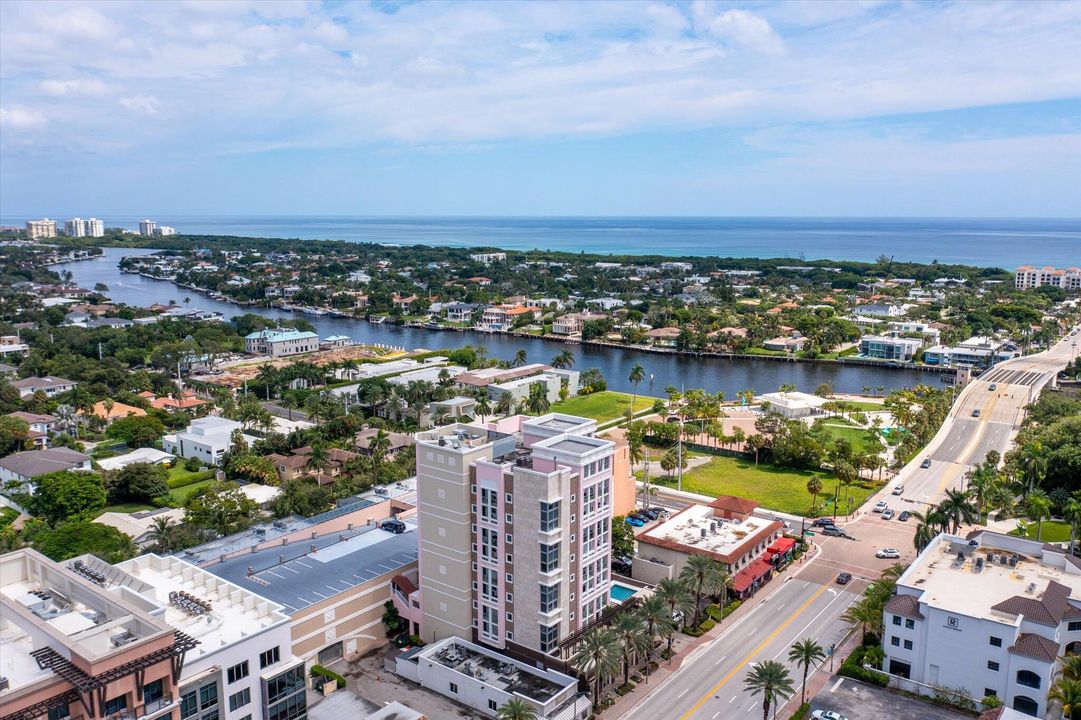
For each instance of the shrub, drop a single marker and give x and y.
(320, 671)
(991, 701)
(853, 667)
(801, 712)
(731, 608)
(192, 464)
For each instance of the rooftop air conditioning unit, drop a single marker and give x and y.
(703, 531)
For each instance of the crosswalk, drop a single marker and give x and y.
(1012, 377)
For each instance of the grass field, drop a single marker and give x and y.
(863, 405)
(179, 477)
(780, 489)
(855, 436)
(1053, 531)
(602, 406)
(181, 494)
(131, 507)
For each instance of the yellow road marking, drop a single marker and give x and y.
(743, 663)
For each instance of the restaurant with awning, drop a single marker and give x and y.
(781, 551)
(747, 581)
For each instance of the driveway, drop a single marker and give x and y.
(858, 701)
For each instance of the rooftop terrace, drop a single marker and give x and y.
(498, 671)
(697, 528)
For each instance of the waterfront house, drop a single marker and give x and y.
(785, 344)
(572, 323)
(885, 347)
(278, 343)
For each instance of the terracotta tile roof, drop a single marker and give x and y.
(731, 503)
(1048, 609)
(746, 577)
(905, 606)
(404, 584)
(993, 713)
(1036, 647)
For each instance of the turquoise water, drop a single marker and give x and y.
(1005, 242)
(619, 593)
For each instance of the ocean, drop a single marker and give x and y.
(983, 242)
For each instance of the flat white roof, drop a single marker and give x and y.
(235, 613)
(723, 537)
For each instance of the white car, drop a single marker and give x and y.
(887, 514)
(880, 506)
(888, 553)
(827, 715)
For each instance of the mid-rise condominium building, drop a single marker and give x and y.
(988, 615)
(147, 227)
(277, 343)
(44, 228)
(1028, 277)
(515, 530)
(75, 228)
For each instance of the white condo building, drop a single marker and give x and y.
(147, 227)
(75, 228)
(515, 530)
(989, 615)
(44, 228)
(206, 438)
(1028, 277)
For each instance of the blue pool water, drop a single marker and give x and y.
(619, 593)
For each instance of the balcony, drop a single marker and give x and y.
(157, 707)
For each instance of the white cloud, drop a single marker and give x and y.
(88, 87)
(20, 118)
(740, 27)
(143, 104)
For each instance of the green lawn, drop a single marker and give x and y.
(131, 507)
(602, 406)
(780, 489)
(855, 436)
(863, 405)
(1053, 531)
(179, 476)
(181, 494)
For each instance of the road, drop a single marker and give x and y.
(806, 601)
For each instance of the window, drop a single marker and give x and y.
(238, 672)
(208, 696)
(489, 622)
(896, 619)
(549, 637)
(1028, 679)
(549, 557)
(908, 644)
(188, 705)
(61, 711)
(287, 683)
(910, 624)
(239, 700)
(153, 691)
(895, 641)
(1074, 625)
(992, 665)
(269, 657)
(989, 692)
(112, 707)
(492, 705)
(549, 516)
(454, 688)
(489, 582)
(489, 504)
(489, 545)
(549, 598)
(995, 641)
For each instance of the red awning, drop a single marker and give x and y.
(746, 577)
(781, 546)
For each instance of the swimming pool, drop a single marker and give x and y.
(619, 593)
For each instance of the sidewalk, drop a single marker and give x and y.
(684, 646)
(820, 676)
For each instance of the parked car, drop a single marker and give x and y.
(844, 578)
(621, 565)
(395, 526)
(822, 522)
(827, 715)
(905, 515)
(880, 506)
(833, 531)
(976, 412)
(888, 553)
(926, 463)
(787, 525)
(651, 513)
(641, 516)
(887, 514)
(633, 521)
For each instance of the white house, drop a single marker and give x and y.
(150, 456)
(793, 404)
(206, 439)
(279, 343)
(49, 385)
(23, 467)
(989, 615)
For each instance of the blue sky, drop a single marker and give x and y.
(695, 108)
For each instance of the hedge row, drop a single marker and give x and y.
(853, 667)
(319, 670)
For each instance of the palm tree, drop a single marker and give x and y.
(863, 613)
(656, 620)
(980, 486)
(1071, 667)
(738, 438)
(1071, 513)
(318, 457)
(1033, 463)
(163, 532)
(638, 374)
(505, 404)
(598, 655)
(805, 653)
(1038, 508)
(926, 529)
(699, 574)
(516, 709)
(1067, 692)
(676, 598)
(630, 630)
(519, 359)
(814, 486)
(564, 359)
(379, 446)
(957, 509)
(538, 399)
(772, 680)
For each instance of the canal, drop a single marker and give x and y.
(713, 374)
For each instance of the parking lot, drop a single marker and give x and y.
(856, 554)
(857, 701)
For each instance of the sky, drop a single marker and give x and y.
(836, 108)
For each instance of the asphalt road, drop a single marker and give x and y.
(710, 683)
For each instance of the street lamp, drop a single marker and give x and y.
(836, 494)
